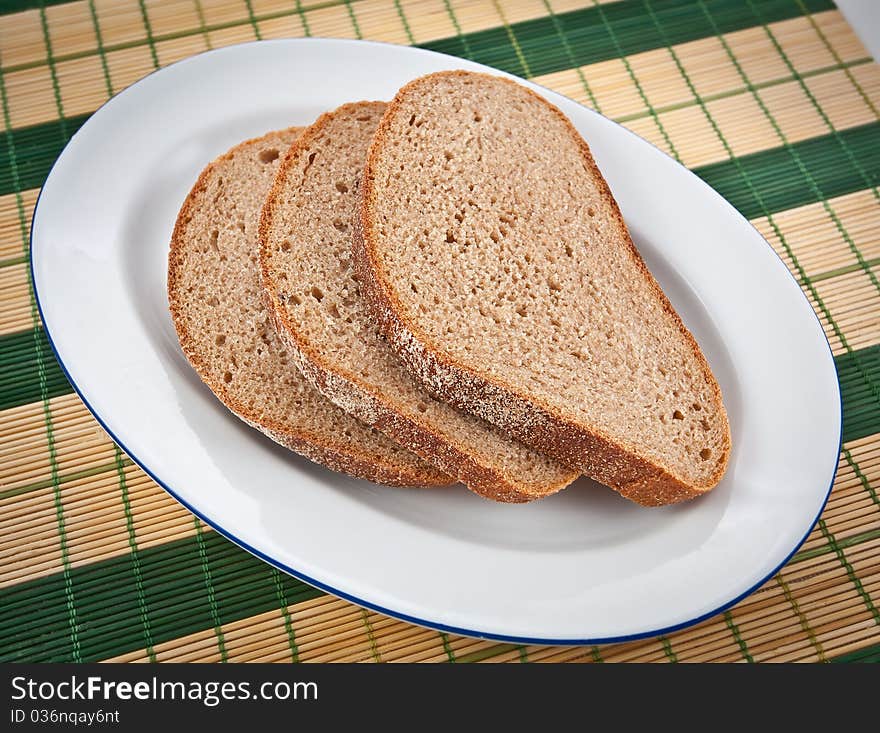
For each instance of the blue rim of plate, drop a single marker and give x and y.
(347, 596)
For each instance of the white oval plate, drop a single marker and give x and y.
(581, 566)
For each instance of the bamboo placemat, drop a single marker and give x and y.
(773, 102)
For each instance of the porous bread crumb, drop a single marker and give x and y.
(306, 259)
(499, 266)
(227, 333)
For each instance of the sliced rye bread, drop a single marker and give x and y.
(305, 261)
(498, 266)
(228, 336)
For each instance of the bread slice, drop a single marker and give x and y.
(498, 266)
(228, 336)
(306, 266)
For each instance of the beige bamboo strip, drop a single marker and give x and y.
(49, 563)
(30, 508)
(509, 654)
(862, 559)
(73, 420)
(147, 538)
(547, 654)
(463, 646)
(811, 567)
(380, 21)
(851, 500)
(10, 279)
(80, 444)
(11, 234)
(816, 604)
(425, 647)
(718, 639)
(275, 648)
(330, 637)
(350, 633)
(31, 504)
(14, 298)
(248, 639)
(778, 614)
(83, 433)
(842, 641)
(394, 637)
(18, 317)
(38, 471)
(817, 541)
(643, 651)
(94, 471)
(355, 646)
(503, 657)
(829, 608)
(849, 493)
(855, 523)
(24, 555)
(347, 641)
(811, 233)
(337, 650)
(206, 651)
(154, 515)
(419, 648)
(680, 639)
(781, 646)
(13, 420)
(817, 608)
(93, 542)
(317, 609)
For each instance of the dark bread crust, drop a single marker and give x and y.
(530, 420)
(347, 390)
(348, 457)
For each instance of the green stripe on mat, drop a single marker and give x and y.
(7, 7)
(171, 598)
(133, 554)
(36, 149)
(859, 375)
(20, 383)
(781, 183)
(593, 34)
(870, 655)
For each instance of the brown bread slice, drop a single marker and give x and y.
(227, 333)
(498, 266)
(305, 258)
